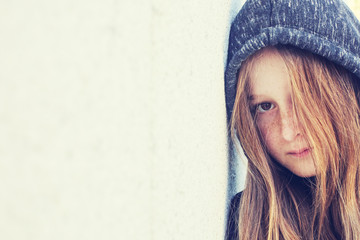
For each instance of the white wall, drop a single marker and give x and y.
(112, 119)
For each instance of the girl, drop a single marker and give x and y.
(292, 99)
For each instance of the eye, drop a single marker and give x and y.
(264, 107)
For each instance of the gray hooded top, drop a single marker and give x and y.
(325, 27)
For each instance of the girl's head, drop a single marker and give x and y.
(298, 109)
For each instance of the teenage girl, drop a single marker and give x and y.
(292, 99)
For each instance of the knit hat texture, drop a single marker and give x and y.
(324, 27)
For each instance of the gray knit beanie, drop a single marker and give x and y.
(324, 27)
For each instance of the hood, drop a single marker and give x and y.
(324, 27)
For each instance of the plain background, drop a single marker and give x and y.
(112, 119)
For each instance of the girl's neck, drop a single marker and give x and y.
(301, 187)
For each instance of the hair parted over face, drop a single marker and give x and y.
(271, 105)
(301, 111)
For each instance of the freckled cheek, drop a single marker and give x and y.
(268, 128)
(265, 130)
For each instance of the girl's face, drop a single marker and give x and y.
(270, 99)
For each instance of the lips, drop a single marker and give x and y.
(300, 153)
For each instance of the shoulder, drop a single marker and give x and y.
(235, 201)
(233, 218)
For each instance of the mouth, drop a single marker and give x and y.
(300, 153)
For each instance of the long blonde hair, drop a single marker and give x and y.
(325, 103)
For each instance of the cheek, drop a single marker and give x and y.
(268, 128)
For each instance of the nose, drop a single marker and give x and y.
(289, 126)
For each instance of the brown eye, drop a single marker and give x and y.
(264, 107)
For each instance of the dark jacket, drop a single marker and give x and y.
(233, 218)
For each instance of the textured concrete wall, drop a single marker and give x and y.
(112, 119)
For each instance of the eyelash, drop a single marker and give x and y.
(256, 107)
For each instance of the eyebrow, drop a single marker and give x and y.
(252, 97)
(256, 98)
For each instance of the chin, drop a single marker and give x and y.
(304, 174)
(303, 171)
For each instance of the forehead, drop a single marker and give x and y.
(269, 73)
